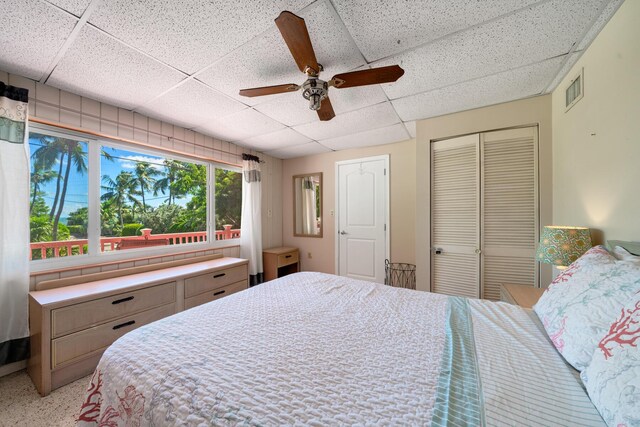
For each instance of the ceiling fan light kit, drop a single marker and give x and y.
(296, 36)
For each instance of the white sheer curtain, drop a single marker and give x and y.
(14, 225)
(309, 206)
(251, 222)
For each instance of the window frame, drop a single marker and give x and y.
(94, 256)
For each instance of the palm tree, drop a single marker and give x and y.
(169, 177)
(39, 177)
(145, 175)
(75, 154)
(45, 157)
(120, 191)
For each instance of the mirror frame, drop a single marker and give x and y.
(304, 175)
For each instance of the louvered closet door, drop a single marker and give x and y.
(455, 216)
(509, 209)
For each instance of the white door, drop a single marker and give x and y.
(484, 212)
(509, 209)
(455, 216)
(361, 223)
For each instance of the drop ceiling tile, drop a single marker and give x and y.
(508, 86)
(189, 34)
(294, 110)
(275, 140)
(240, 126)
(190, 105)
(299, 151)
(376, 116)
(102, 68)
(411, 128)
(386, 135)
(384, 28)
(266, 60)
(26, 48)
(529, 36)
(77, 7)
(610, 8)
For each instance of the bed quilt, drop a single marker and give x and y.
(318, 349)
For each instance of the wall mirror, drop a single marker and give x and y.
(307, 205)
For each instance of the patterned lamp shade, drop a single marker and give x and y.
(561, 246)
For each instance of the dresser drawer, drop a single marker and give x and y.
(214, 294)
(288, 258)
(76, 317)
(217, 279)
(81, 344)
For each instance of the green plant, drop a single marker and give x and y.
(131, 229)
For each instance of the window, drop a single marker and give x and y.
(136, 199)
(58, 202)
(228, 203)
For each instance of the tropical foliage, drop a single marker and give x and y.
(168, 196)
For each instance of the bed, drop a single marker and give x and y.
(318, 349)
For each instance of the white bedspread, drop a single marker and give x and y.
(313, 349)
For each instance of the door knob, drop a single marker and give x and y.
(478, 251)
(343, 232)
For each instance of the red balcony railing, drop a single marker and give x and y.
(63, 248)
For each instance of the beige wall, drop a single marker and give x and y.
(596, 144)
(402, 203)
(531, 111)
(47, 102)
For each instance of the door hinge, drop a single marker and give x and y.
(385, 171)
(385, 227)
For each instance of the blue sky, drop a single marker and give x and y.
(77, 190)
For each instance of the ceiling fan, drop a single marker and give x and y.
(295, 34)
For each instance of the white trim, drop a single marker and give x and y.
(336, 219)
(94, 227)
(12, 367)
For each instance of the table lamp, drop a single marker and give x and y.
(561, 245)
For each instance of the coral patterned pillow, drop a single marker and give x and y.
(613, 377)
(581, 303)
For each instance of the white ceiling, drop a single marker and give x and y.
(184, 61)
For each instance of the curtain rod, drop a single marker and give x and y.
(131, 141)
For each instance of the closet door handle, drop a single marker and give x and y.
(118, 301)
(122, 325)
(215, 276)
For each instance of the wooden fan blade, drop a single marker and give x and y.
(326, 110)
(367, 77)
(295, 34)
(269, 90)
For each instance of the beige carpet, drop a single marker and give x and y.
(21, 405)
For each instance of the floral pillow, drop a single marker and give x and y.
(583, 300)
(613, 377)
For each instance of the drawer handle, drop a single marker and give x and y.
(118, 301)
(215, 276)
(218, 293)
(288, 256)
(122, 325)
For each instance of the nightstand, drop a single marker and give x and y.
(279, 262)
(522, 295)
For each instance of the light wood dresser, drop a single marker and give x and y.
(279, 262)
(522, 295)
(73, 323)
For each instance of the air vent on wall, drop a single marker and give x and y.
(575, 90)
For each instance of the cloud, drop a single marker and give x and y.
(129, 162)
